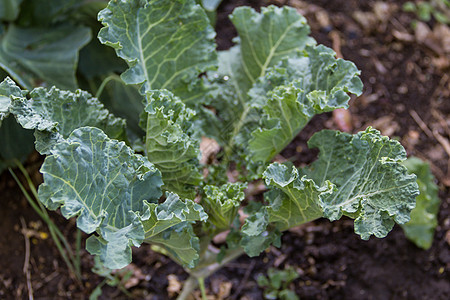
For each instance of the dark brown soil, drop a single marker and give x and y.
(402, 82)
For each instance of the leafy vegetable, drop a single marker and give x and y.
(128, 184)
(104, 183)
(420, 229)
(55, 114)
(294, 91)
(372, 185)
(170, 141)
(155, 38)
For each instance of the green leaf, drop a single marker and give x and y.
(105, 184)
(256, 237)
(55, 114)
(35, 13)
(126, 102)
(97, 59)
(38, 56)
(170, 213)
(8, 89)
(372, 186)
(424, 10)
(255, 244)
(409, 7)
(262, 281)
(264, 39)
(291, 93)
(293, 200)
(222, 203)
(181, 243)
(420, 229)
(168, 225)
(15, 142)
(9, 9)
(171, 143)
(288, 295)
(167, 44)
(210, 5)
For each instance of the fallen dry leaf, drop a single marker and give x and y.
(377, 18)
(383, 11)
(174, 286)
(343, 119)
(221, 288)
(208, 148)
(367, 20)
(403, 36)
(135, 275)
(386, 125)
(221, 237)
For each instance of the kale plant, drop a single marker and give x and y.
(138, 178)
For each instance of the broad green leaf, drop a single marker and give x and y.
(167, 224)
(294, 200)
(9, 9)
(264, 39)
(43, 56)
(126, 102)
(97, 59)
(372, 186)
(173, 211)
(181, 243)
(104, 183)
(171, 142)
(36, 13)
(295, 90)
(15, 142)
(113, 246)
(55, 114)
(420, 229)
(167, 44)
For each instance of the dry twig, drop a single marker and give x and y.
(26, 264)
(421, 123)
(244, 280)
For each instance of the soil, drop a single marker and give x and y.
(406, 96)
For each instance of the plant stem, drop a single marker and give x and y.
(56, 235)
(104, 83)
(77, 261)
(188, 287)
(42, 209)
(206, 270)
(201, 283)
